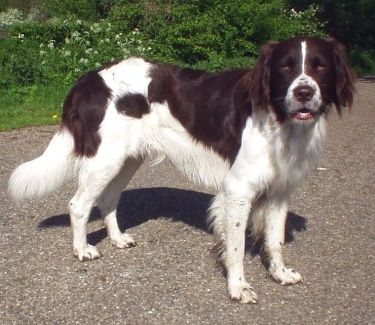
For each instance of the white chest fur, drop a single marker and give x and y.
(275, 158)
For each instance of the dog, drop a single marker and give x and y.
(254, 135)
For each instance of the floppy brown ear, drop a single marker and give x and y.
(345, 77)
(259, 82)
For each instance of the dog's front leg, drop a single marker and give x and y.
(274, 233)
(237, 210)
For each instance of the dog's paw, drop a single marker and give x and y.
(243, 293)
(123, 241)
(285, 276)
(88, 253)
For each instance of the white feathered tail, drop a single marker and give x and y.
(46, 173)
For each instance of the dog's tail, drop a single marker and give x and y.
(46, 173)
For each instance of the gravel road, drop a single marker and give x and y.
(171, 276)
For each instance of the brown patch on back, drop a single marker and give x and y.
(133, 105)
(204, 103)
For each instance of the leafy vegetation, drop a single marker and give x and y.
(351, 22)
(52, 44)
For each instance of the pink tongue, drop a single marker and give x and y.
(303, 115)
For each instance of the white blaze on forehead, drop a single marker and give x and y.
(303, 51)
(303, 80)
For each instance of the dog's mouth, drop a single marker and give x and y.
(303, 114)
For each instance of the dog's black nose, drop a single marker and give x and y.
(303, 93)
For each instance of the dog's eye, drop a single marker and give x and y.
(286, 68)
(319, 64)
(320, 67)
(287, 65)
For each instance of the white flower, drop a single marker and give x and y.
(76, 36)
(95, 28)
(295, 14)
(10, 17)
(41, 53)
(83, 60)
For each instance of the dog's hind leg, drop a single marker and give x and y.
(109, 199)
(95, 175)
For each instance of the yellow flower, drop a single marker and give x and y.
(54, 116)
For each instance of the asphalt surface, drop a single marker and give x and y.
(171, 277)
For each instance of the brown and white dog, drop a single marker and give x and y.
(252, 134)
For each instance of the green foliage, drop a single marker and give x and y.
(63, 51)
(195, 31)
(214, 34)
(3, 5)
(363, 60)
(90, 10)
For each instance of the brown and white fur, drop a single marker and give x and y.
(254, 135)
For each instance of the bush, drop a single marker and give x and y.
(212, 34)
(195, 31)
(63, 51)
(89, 10)
(363, 60)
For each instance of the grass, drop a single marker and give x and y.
(31, 106)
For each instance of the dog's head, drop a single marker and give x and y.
(300, 78)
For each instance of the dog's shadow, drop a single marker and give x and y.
(141, 205)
